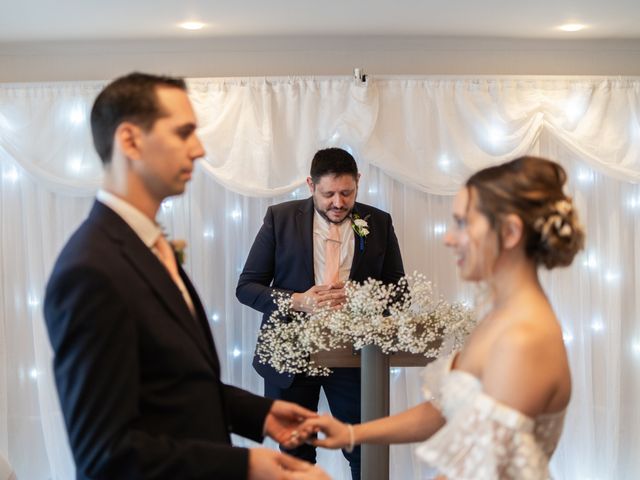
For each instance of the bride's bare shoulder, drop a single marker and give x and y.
(527, 362)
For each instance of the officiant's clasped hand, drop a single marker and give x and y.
(319, 297)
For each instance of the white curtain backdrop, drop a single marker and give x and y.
(416, 140)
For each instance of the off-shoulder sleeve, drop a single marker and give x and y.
(486, 440)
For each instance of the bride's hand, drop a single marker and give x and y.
(336, 434)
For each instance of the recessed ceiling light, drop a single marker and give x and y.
(191, 25)
(572, 27)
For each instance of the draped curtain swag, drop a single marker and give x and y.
(415, 140)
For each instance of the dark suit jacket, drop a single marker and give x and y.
(138, 376)
(281, 258)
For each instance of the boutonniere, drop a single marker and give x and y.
(360, 227)
(179, 247)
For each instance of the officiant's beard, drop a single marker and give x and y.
(325, 213)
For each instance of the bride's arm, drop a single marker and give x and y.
(413, 425)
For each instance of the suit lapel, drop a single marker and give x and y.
(359, 248)
(304, 220)
(151, 270)
(201, 315)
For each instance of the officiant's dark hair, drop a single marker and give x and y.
(131, 98)
(332, 161)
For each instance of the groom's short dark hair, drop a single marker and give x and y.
(131, 98)
(332, 161)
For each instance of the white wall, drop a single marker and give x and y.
(275, 56)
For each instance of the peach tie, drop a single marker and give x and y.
(168, 259)
(332, 255)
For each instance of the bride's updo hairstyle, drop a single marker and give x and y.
(531, 188)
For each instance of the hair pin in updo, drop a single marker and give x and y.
(556, 219)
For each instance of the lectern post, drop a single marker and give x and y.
(375, 394)
(375, 404)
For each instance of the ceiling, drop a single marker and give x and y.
(46, 20)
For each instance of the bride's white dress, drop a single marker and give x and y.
(484, 439)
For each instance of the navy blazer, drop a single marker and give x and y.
(137, 375)
(281, 258)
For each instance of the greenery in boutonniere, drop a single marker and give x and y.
(179, 247)
(360, 225)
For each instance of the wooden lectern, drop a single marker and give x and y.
(375, 393)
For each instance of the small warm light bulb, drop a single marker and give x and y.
(495, 135)
(611, 276)
(439, 228)
(585, 175)
(11, 175)
(591, 261)
(76, 165)
(77, 116)
(191, 25)
(567, 337)
(33, 301)
(444, 161)
(572, 27)
(597, 325)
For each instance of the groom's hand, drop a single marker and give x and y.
(265, 464)
(318, 297)
(284, 423)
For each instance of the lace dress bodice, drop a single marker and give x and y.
(483, 438)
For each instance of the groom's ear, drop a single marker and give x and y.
(511, 231)
(312, 186)
(127, 139)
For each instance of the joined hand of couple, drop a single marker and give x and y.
(292, 425)
(319, 297)
(285, 423)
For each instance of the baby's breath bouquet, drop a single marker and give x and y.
(402, 317)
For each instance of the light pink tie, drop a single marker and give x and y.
(332, 255)
(167, 257)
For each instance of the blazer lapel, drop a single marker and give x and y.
(151, 270)
(359, 248)
(304, 220)
(201, 315)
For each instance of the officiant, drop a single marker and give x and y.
(308, 249)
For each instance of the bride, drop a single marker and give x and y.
(495, 409)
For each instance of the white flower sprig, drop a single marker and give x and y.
(403, 317)
(360, 225)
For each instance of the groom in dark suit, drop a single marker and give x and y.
(135, 364)
(308, 249)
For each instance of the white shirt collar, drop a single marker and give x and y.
(143, 226)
